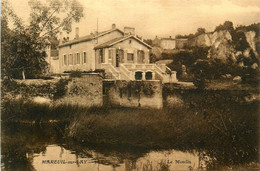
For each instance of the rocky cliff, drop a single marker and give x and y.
(238, 46)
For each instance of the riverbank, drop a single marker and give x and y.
(223, 127)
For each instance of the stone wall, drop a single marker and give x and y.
(84, 91)
(144, 94)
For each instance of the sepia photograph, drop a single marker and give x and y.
(130, 85)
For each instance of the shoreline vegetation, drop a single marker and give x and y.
(224, 128)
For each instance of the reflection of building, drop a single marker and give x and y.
(121, 54)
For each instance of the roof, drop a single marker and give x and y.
(120, 39)
(89, 37)
(167, 38)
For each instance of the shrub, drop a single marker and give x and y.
(61, 88)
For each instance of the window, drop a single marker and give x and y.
(120, 54)
(75, 59)
(138, 75)
(102, 60)
(130, 56)
(78, 58)
(84, 57)
(140, 56)
(65, 60)
(148, 75)
(70, 59)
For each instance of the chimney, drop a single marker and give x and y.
(77, 33)
(113, 26)
(129, 31)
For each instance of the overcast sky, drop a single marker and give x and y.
(159, 17)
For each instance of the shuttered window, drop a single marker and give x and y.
(78, 58)
(65, 60)
(70, 59)
(84, 57)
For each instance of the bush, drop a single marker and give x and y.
(61, 88)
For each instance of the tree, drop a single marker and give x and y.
(228, 25)
(23, 45)
(201, 71)
(148, 41)
(200, 31)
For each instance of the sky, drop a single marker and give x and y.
(163, 18)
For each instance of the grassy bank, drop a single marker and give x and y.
(228, 134)
(24, 110)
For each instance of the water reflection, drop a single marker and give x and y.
(43, 148)
(58, 158)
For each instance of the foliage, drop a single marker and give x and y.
(228, 25)
(153, 58)
(187, 58)
(200, 31)
(52, 89)
(61, 88)
(148, 41)
(201, 71)
(23, 45)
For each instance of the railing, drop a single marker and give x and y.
(139, 66)
(162, 67)
(125, 71)
(110, 69)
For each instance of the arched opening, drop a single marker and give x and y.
(149, 75)
(138, 75)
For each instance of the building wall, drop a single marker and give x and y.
(88, 47)
(168, 44)
(73, 49)
(144, 94)
(181, 43)
(54, 65)
(132, 47)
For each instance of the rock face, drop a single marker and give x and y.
(202, 40)
(251, 39)
(222, 45)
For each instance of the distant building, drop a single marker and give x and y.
(181, 43)
(202, 40)
(120, 53)
(165, 43)
(52, 56)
